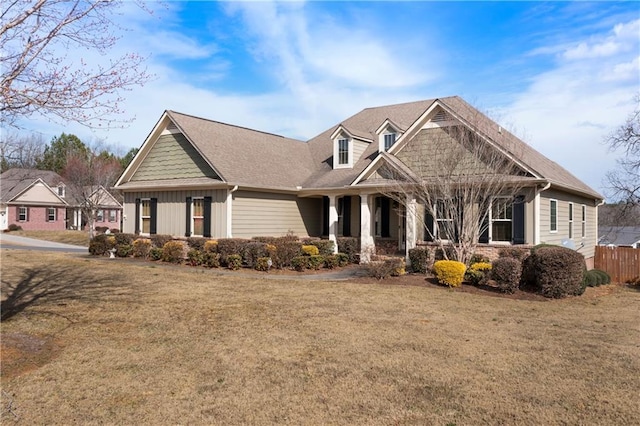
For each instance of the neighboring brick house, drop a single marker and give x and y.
(40, 200)
(198, 177)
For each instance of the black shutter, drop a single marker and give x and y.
(325, 215)
(385, 208)
(484, 228)
(187, 224)
(428, 225)
(137, 217)
(153, 210)
(346, 216)
(207, 217)
(518, 220)
(459, 219)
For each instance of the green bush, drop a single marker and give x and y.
(477, 272)
(558, 271)
(300, 263)
(124, 250)
(325, 247)
(124, 239)
(479, 258)
(141, 248)
(252, 251)
(506, 271)
(211, 259)
(155, 253)
(263, 263)
(234, 262)
(197, 242)
(591, 279)
(99, 245)
(603, 277)
(343, 259)
(173, 252)
(351, 247)
(316, 261)
(331, 261)
(419, 257)
(159, 240)
(449, 272)
(195, 257)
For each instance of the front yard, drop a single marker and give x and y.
(119, 342)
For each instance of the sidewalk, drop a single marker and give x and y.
(9, 241)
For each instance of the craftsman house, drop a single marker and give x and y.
(41, 200)
(198, 177)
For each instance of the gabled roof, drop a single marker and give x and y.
(14, 182)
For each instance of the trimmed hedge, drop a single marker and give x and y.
(506, 271)
(557, 271)
(141, 248)
(230, 246)
(449, 272)
(514, 252)
(419, 257)
(477, 272)
(99, 245)
(173, 252)
(596, 277)
(351, 247)
(252, 251)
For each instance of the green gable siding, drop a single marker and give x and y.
(173, 157)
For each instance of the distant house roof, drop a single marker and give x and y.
(14, 181)
(619, 236)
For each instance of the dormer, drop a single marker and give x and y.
(61, 190)
(347, 148)
(387, 133)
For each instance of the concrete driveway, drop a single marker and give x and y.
(16, 242)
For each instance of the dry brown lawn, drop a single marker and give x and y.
(79, 238)
(94, 341)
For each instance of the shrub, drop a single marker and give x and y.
(263, 263)
(124, 250)
(230, 246)
(331, 261)
(234, 262)
(449, 272)
(196, 242)
(479, 258)
(195, 257)
(115, 230)
(101, 229)
(141, 248)
(419, 257)
(285, 250)
(398, 266)
(300, 263)
(173, 251)
(159, 240)
(591, 279)
(124, 239)
(506, 271)
(379, 269)
(481, 266)
(351, 247)
(310, 250)
(316, 261)
(211, 259)
(13, 227)
(603, 277)
(253, 250)
(514, 253)
(155, 253)
(211, 246)
(325, 247)
(440, 253)
(477, 272)
(558, 271)
(343, 259)
(99, 245)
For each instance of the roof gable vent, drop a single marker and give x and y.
(441, 116)
(172, 126)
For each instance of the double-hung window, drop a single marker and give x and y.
(100, 215)
(501, 219)
(23, 214)
(389, 140)
(570, 220)
(51, 214)
(197, 216)
(343, 151)
(145, 215)
(113, 215)
(444, 222)
(553, 215)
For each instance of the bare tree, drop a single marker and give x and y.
(41, 71)
(457, 177)
(624, 182)
(90, 177)
(22, 151)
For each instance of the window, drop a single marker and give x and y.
(584, 221)
(501, 219)
(343, 151)
(23, 214)
(51, 214)
(100, 216)
(145, 216)
(553, 215)
(389, 140)
(197, 216)
(113, 215)
(570, 220)
(444, 222)
(61, 190)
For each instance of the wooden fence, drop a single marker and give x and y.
(621, 263)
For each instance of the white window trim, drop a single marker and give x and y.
(583, 221)
(115, 216)
(99, 212)
(61, 191)
(571, 213)
(193, 217)
(26, 214)
(491, 220)
(142, 216)
(383, 135)
(336, 153)
(55, 214)
(551, 230)
(436, 230)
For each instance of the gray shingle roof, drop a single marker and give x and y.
(14, 181)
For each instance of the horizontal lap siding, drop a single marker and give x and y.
(265, 214)
(172, 210)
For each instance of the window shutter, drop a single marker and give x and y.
(384, 213)
(153, 210)
(28, 213)
(346, 216)
(187, 224)
(325, 215)
(518, 220)
(207, 217)
(484, 227)
(137, 217)
(459, 219)
(428, 225)
(46, 214)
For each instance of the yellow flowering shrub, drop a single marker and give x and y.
(211, 246)
(142, 247)
(310, 250)
(481, 266)
(449, 272)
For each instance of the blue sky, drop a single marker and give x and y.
(559, 75)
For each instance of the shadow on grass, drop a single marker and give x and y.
(48, 284)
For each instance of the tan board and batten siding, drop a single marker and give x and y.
(172, 157)
(38, 194)
(172, 210)
(268, 214)
(563, 199)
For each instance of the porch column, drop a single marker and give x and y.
(411, 225)
(367, 245)
(333, 221)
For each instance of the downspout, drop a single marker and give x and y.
(230, 209)
(536, 213)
